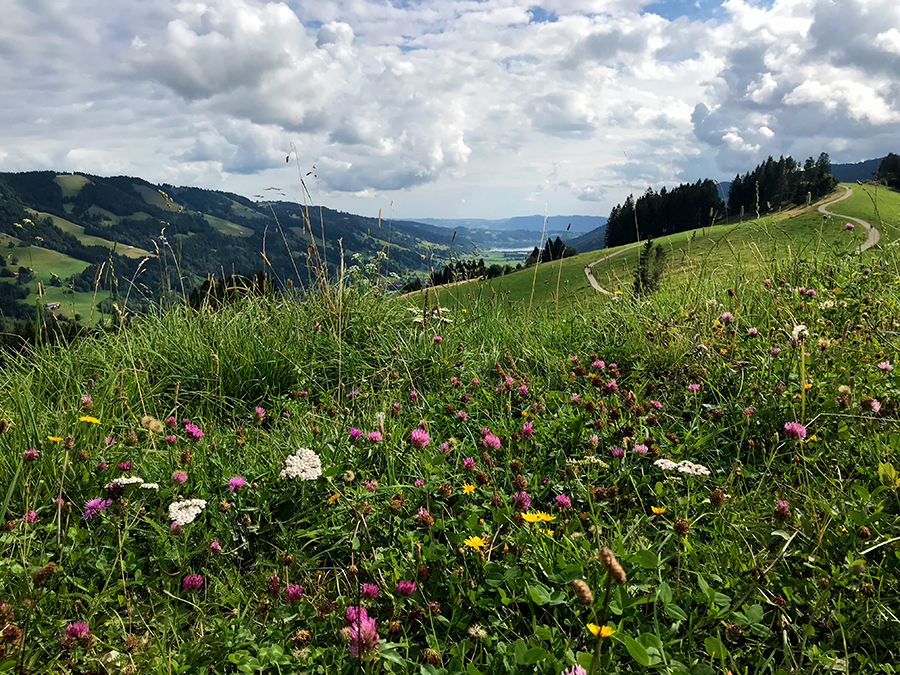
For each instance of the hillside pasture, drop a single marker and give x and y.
(71, 184)
(91, 240)
(227, 227)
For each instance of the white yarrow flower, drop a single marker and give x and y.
(150, 486)
(303, 465)
(126, 481)
(185, 512)
(665, 464)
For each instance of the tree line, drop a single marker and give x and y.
(777, 184)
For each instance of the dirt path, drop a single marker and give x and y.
(872, 237)
(590, 274)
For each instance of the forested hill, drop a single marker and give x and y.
(129, 228)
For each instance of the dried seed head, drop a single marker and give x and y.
(431, 656)
(582, 592)
(69, 443)
(4, 425)
(612, 565)
(864, 532)
(717, 497)
(44, 573)
(681, 526)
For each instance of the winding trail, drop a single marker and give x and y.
(590, 274)
(873, 236)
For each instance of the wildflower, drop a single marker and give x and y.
(369, 591)
(693, 388)
(235, 483)
(848, 226)
(371, 485)
(475, 542)
(102, 466)
(333, 498)
(538, 517)
(214, 545)
(658, 510)
(259, 414)
(418, 438)
(87, 403)
(468, 489)
(617, 453)
(681, 526)
(522, 390)
(491, 442)
(30, 517)
(303, 465)
(273, 586)
(179, 477)
(374, 437)
(171, 422)
(94, 506)
(355, 433)
(88, 418)
(293, 593)
(193, 432)
(55, 439)
(602, 631)
(527, 430)
(476, 631)
(749, 410)
(640, 449)
(752, 332)
(406, 587)
(124, 466)
(782, 512)
(563, 502)
(775, 351)
(795, 430)
(462, 414)
(30, 455)
(594, 440)
(884, 365)
(655, 404)
(191, 582)
(727, 317)
(612, 565)
(361, 631)
(799, 333)
(521, 501)
(611, 386)
(419, 482)
(77, 630)
(598, 364)
(185, 512)
(575, 669)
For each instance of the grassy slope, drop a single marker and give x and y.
(227, 227)
(877, 205)
(706, 252)
(71, 184)
(90, 240)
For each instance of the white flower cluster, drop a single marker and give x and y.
(185, 512)
(150, 486)
(589, 460)
(126, 481)
(683, 466)
(303, 464)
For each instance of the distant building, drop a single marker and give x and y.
(52, 305)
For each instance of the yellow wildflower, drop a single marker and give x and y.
(549, 533)
(475, 542)
(604, 631)
(531, 517)
(54, 438)
(468, 489)
(658, 510)
(333, 498)
(546, 517)
(87, 418)
(618, 293)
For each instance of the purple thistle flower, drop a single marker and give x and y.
(293, 593)
(794, 430)
(369, 591)
(521, 501)
(419, 438)
(406, 587)
(171, 422)
(235, 483)
(94, 506)
(563, 502)
(191, 582)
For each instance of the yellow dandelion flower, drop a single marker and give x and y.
(468, 489)
(583, 515)
(618, 293)
(813, 438)
(658, 510)
(531, 517)
(549, 533)
(333, 498)
(54, 438)
(475, 542)
(546, 517)
(88, 418)
(604, 631)
(807, 386)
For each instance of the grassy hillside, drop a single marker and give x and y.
(465, 469)
(877, 205)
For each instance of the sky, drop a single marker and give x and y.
(444, 108)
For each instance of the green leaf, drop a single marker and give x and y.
(392, 656)
(520, 650)
(664, 593)
(646, 559)
(584, 659)
(472, 670)
(535, 655)
(714, 647)
(539, 595)
(676, 612)
(754, 613)
(636, 649)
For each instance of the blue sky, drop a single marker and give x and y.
(445, 108)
